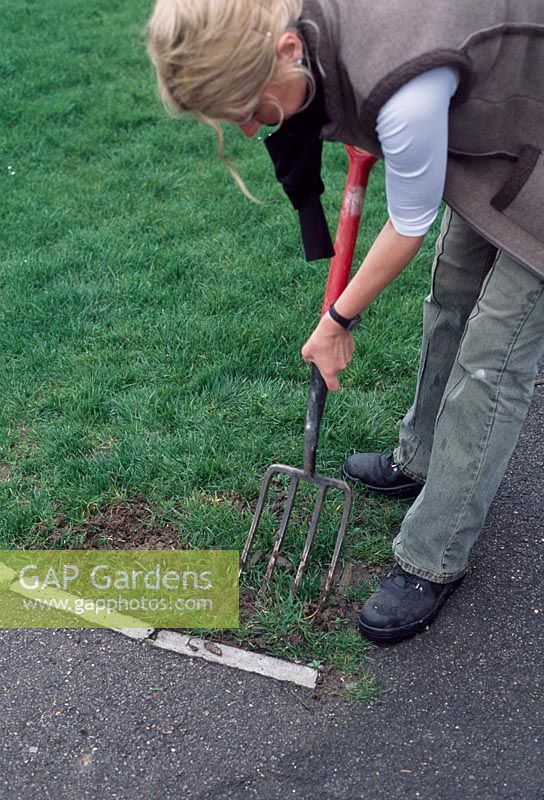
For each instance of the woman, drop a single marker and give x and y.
(451, 96)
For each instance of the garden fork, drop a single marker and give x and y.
(360, 165)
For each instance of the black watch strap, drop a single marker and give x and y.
(345, 322)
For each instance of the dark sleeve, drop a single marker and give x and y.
(296, 154)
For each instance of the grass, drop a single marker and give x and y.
(152, 317)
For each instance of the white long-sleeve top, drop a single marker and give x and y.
(413, 131)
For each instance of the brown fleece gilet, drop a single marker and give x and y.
(495, 176)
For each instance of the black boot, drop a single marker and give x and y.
(379, 472)
(402, 606)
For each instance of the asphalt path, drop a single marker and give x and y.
(91, 714)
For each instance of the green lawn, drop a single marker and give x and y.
(152, 317)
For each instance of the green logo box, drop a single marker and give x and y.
(119, 589)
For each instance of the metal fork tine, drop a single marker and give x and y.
(338, 546)
(311, 535)
(258, 513)
(283, 527)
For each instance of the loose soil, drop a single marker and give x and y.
(124, 525)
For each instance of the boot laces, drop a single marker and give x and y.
(409, 579)
(393, 464)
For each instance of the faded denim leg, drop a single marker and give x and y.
(478, 423)
(462, 260)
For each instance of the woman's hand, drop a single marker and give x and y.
(330, 348)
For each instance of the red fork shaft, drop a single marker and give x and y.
(360, 165)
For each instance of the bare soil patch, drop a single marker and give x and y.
(124, 525)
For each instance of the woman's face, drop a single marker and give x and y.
(287, 90)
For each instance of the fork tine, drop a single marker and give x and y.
(258, 513)
(311, 535)
(283, 527)
(338, 545)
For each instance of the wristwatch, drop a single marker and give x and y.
(348, 324)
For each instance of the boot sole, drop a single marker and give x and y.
(403, 492)
(392, 635)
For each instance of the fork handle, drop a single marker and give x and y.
(360, 165)
(314, 413)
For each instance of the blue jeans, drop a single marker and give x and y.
(483, 337)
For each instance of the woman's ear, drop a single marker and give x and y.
(289, 48)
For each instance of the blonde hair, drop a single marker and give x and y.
(213, 58)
